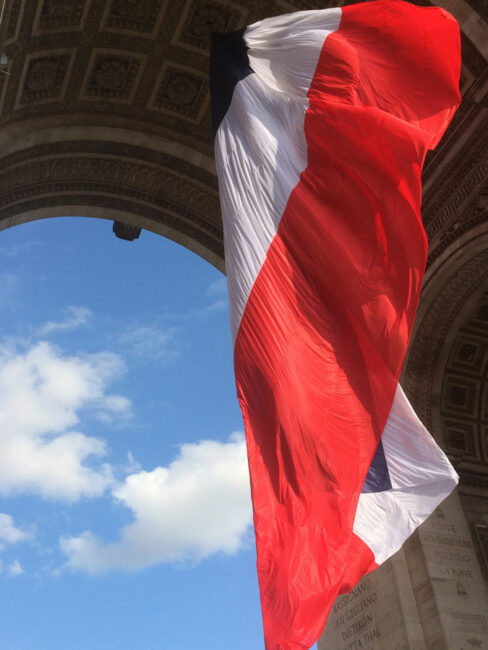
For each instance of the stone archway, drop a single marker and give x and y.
(104, 112)
(156, 184)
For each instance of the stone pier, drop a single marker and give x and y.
(430, 596)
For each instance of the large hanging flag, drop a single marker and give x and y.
(322, 121)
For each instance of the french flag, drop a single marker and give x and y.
(322, 121)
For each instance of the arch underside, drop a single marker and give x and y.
(135, 185)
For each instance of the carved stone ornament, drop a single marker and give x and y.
(181, 89)
(141, 16)
(58, 8)
(110, 73)
(134, 9)
(208, 17)
(42, 74)
(56, 15)
(45, 77)
(203, 17)
(112, 76)
(481, 530)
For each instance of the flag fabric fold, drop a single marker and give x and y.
(322, 121)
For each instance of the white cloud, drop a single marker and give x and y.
(42, 393)
(217, 292)
(198, 505)
(9, 533)
(22, 248)
(8, 289)
(216, 297)
(76, 317)
(217, 289)
(217, 305)
(132, 466)
(15, 568)
(150, 342)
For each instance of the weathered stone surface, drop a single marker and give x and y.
(429, 596)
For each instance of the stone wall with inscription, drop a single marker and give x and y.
(476, 511)
(380, 613)
(455, 615)
(430, 596)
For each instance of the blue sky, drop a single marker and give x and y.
(125, 517)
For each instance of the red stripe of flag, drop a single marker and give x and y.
(327, 324)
